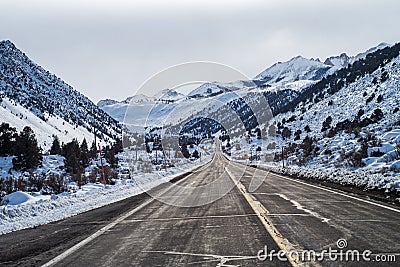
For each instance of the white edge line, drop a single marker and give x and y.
(106, 228)
(338, 193)
(95, 235)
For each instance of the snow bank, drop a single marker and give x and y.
(25, 211)
(360, 178)
(17, 198)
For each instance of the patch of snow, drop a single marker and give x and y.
(17, 198)
(33, 210)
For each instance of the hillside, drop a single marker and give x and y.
(342, 114)
(33, 96)
(348, 121)
(353, 102)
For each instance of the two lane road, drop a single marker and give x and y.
(224, 232)
(206, 219)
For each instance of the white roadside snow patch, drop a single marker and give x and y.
(27, 211)
(18, 198)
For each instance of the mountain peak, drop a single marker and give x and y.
(106, 102)
(297, 68)
(168, 95)
(342, 60)
(7, 46)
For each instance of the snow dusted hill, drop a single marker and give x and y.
(349, 121)
(19, 117)
(212, 89)
(296, 69)
(299, 73)
(168, 95)
(140, 105)
(343, 60)
(33, 96)
(343, 113)
(281, 83)
(362, 97)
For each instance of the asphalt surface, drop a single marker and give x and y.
(225, 231)
(205, 220)
(314, 218)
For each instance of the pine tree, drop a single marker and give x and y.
(196, 154)
(185, 151)
(307, 129)
(8, 136)
(84, 154)
(55, 147)
(308, 146)
(28, 153)
(326, 124)
(286, 133)
(71, 153)
(111, 152)
(93, 151)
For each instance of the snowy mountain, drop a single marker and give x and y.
(280, 83)
(211, 89)
(363, 55)
(106, 102)
(349, 120)
(169, 95)
(140, 105)
(296, 69)
(339, 61)
(343, 60)
(299, 73)
(33, 96)
(378, 90)
(117, 109)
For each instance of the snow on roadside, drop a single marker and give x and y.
(360, 178)
(51, 164)
(18, 198)
(38, 210)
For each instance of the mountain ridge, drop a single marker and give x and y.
(34, 89)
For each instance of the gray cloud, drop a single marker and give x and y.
(107, 49)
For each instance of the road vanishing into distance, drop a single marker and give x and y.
(234, 226)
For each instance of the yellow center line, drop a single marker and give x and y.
(263, 213)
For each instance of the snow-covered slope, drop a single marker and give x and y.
(35, 97)
(356, 127)
(339, 61)
(298, 68)
(168, 95)
(19, 117)
(346, 103)
(357, 90)
(298, 73)
(288, 78)
(371, 50)
(211, 89)
(141, 106)
(343, 60)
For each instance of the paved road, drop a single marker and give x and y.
(312, 217)
(225, 232)
(229, 230)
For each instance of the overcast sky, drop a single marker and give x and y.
(107, 49)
